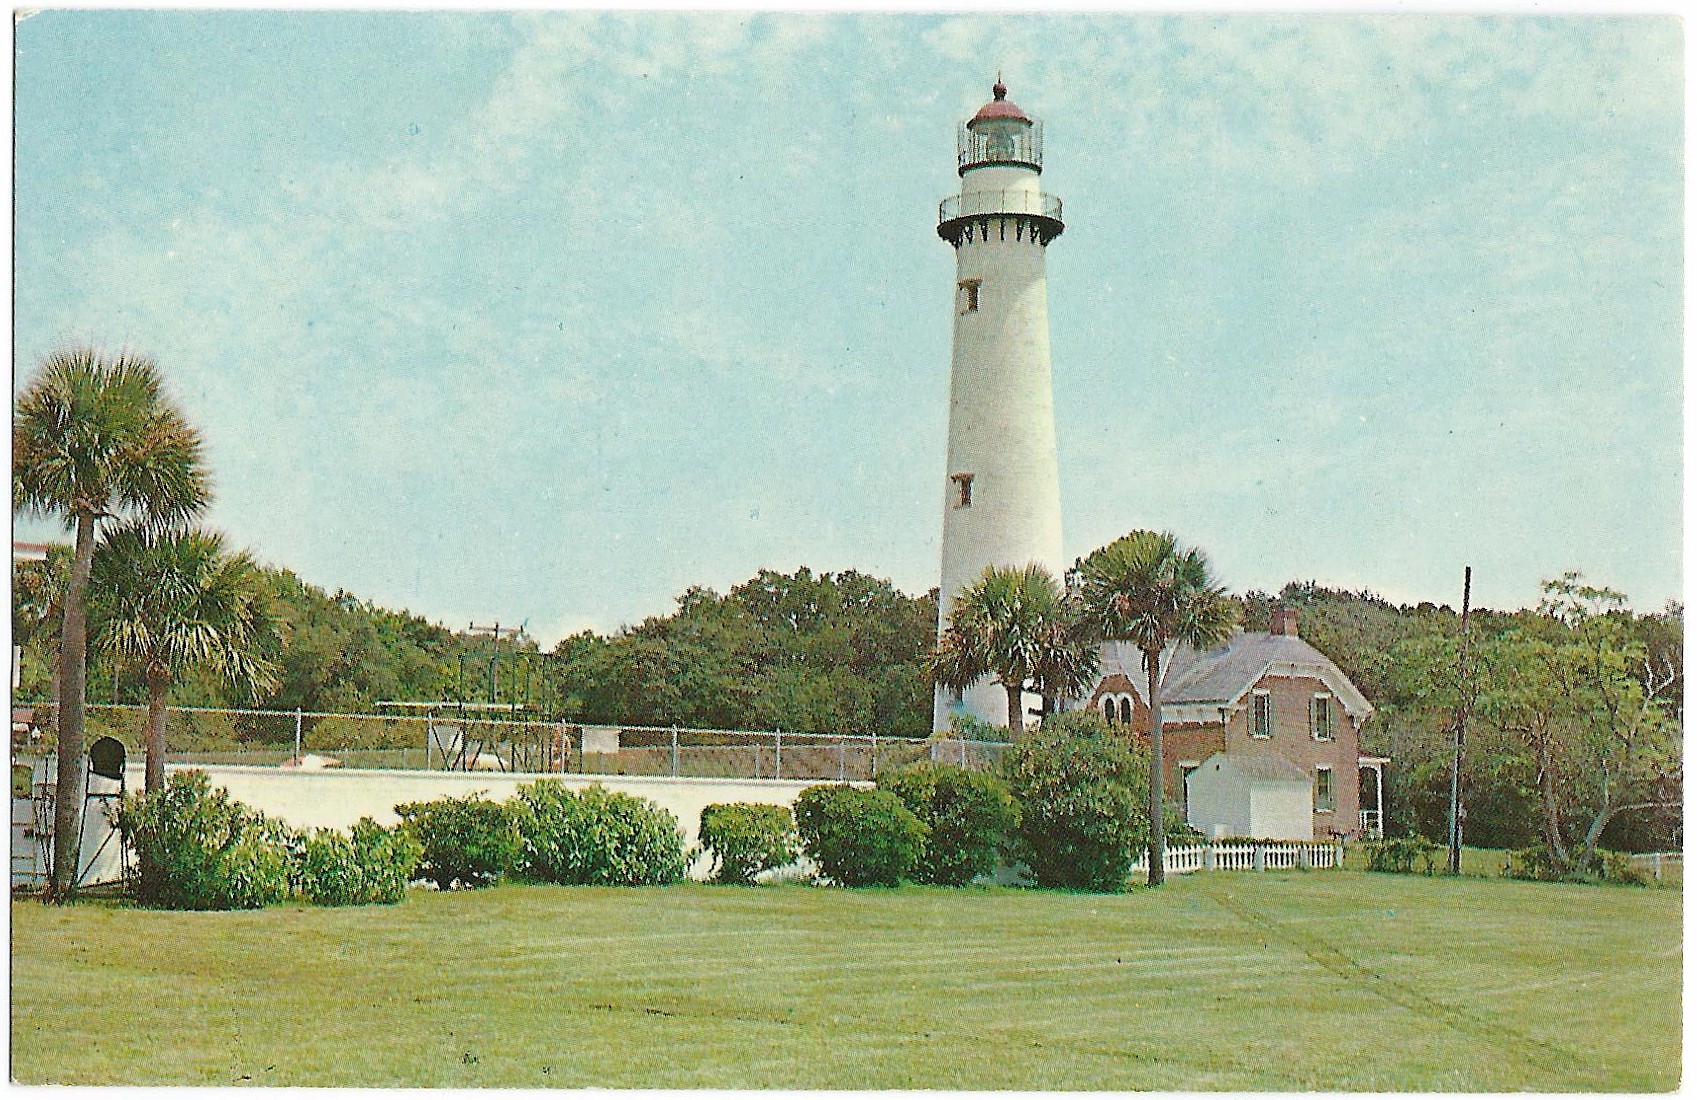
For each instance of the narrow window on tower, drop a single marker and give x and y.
(969, 295)
(963, 490)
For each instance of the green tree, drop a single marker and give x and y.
(176, 601)
(1592, 712)
(1015, 625)
(813, 653)
(92, 439)
(1575, 723)
(38, 608)
(1144, 588)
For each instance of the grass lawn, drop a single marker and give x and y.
(1288, 981)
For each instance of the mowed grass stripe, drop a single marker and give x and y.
(789, 986)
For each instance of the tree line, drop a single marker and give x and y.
(1574, 705)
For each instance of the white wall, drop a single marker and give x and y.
(1218, 797)
(1281, 810)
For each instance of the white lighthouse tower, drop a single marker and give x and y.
(1002, 496)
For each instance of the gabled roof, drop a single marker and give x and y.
(1261, 766)
(1198, 684)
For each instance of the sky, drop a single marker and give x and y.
(545, 317)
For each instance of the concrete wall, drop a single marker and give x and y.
(336, 798)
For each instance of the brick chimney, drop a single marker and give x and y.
(1283, 621)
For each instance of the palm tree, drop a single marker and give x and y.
(1070, 661)
(92, 439)
(175, 601)
(1013, 624)
(1144, 588)
(38, 609)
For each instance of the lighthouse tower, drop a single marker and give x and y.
(1002, 497)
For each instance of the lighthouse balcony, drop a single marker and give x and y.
(957, 214)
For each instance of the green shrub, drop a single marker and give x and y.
(859, 837)
(372, 866)
(1403, 855)
(1180, 834)
(1535, 863)
(199, 849)
(747, 838)
(1079, 787)
(595, 837)
(969, 727)
(471, 841)
(969, 814)
(1618, 868)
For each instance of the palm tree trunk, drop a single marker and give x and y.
(1157, 784)
(157, 686)
(73, 684)
(1016, 710)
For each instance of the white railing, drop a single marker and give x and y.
(1013, 201)
(1270, 855)
(1372, 824)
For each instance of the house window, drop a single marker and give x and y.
(1125, 709)
(963, 490)
(1261, 714)
(969, 296)
(1108, 709)
(1320, 718)
(1325, 796)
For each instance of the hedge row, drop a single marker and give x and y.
(1066, 803)
(199, 849)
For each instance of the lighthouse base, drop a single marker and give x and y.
(987, 702)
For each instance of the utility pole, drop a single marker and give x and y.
(1464, 692)
(494, 634)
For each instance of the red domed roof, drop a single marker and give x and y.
(1000, 107)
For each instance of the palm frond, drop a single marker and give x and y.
(96, 436)
(168, 601)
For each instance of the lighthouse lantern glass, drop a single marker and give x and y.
(1001, 141)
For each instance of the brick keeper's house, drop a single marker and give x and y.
(1260, 735)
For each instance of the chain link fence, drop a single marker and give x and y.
(454, 740)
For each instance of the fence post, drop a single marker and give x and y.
(842, 763)
(875, 752)
(1208, 857)
(1656, 866)
(297, 735)
(674, 752)
(1303, 860)
(778, 753)
(1337, 854)
(1260, 858)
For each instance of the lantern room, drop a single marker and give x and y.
(1001, 135)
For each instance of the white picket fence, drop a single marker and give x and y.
(1272, 855)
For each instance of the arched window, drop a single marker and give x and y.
(1108, 709)
(1125, 709)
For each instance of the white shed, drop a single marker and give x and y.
(1261, 796)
